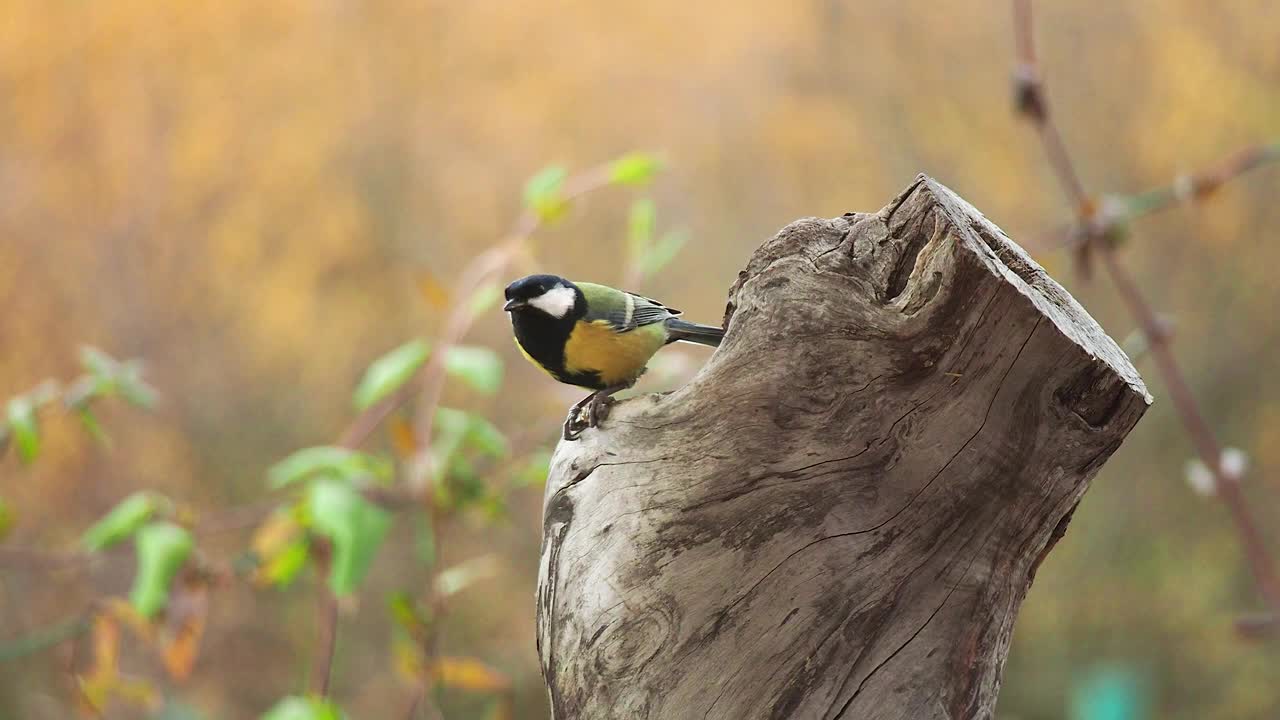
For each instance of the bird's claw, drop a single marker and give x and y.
(597, 407)
(598, 410)
(572, 426)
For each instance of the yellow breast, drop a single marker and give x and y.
(617, 357)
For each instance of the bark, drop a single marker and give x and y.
(840, 515)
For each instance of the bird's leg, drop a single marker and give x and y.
(597, 405)
(572, 429)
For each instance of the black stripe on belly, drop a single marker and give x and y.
(544, 338)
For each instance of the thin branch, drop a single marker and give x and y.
(46, 560)
(1186, 188)
(44, 638)
(1032, 103)
(1257, 626)
(327, 626)
(1192, 187)
(1202, 436)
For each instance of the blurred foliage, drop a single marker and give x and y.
(261, 198)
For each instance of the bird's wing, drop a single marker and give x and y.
(623, 311)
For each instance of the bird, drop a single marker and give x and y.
(593, 336)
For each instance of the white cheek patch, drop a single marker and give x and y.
(556, 302)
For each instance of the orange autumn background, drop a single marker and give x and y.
(259, 199)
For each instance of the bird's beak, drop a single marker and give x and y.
(514, 305)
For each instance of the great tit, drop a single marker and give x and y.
(593, 336)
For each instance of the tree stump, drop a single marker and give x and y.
(840, 515)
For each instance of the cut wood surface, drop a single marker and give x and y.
(840, 515)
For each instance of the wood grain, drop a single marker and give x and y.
(840, 515)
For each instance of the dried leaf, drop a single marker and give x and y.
(285, 566)
(403, 438)
(409, 615)
(187, 615)
(407, 659)
(464, 673)
(97, 684)
(433, 292)
(275, 533)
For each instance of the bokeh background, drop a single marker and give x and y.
(251, 195)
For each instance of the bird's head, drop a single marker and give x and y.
(547, 294)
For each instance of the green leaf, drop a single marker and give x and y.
(162, 548)
(133, 387)
(122, 521)
(6, 518)
(386, 374)
(328, 461)
(485, 437)
(663, 252)
(462, 486)
(637, 168)
(300, 708)
(479, 367)
(353, 525)
(456, 430)
(108, 376)
(93, 427)
(543, 193)
(485, 297)
(285, 567)
(408, 614)
(24, 428)
(97, 363)
(641, 221)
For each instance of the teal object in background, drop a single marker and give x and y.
(1111, 692)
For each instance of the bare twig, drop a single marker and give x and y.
(44, 638)
(1032, 103)
(1199, 185)
(327, 625)
(1206, 442)
(1257, 626)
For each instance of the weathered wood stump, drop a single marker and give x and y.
(840, 515)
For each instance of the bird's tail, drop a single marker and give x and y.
(678, 329)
